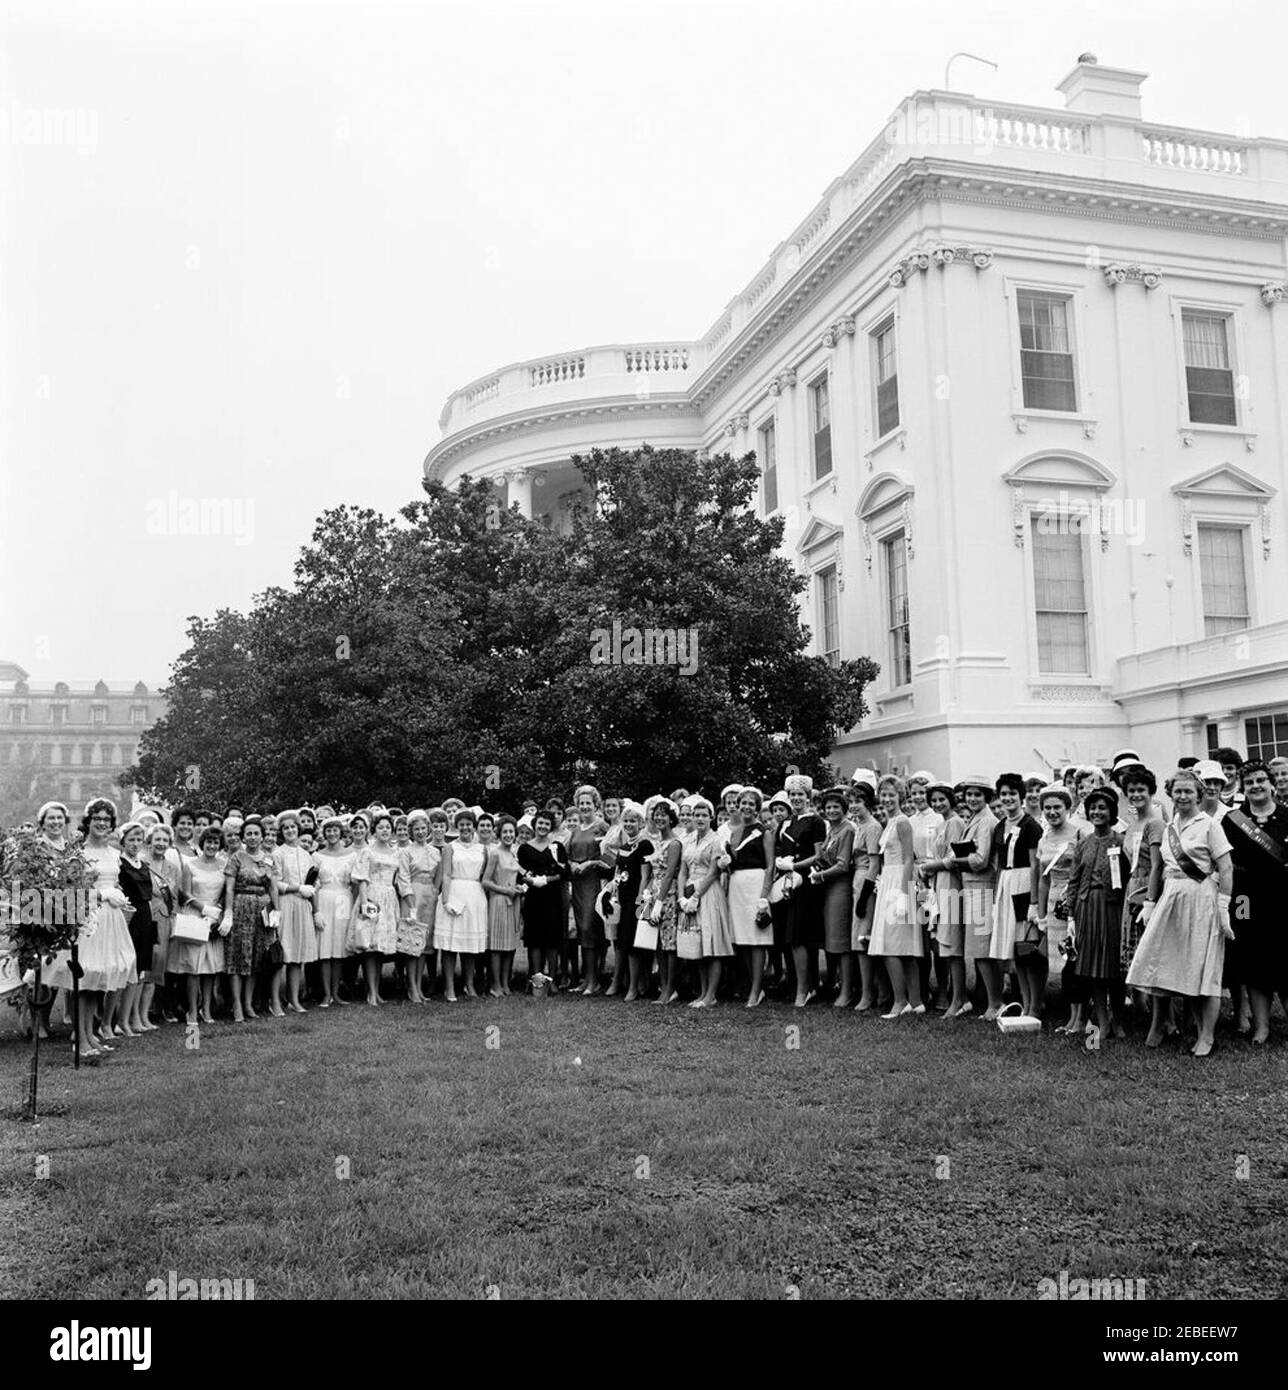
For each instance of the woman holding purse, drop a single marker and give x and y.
(544, 866)
(203, 887)
(251, 896)
(1096, 890)
(896, 933)
(703, 903)
(945, 885)
(658, 907)
(1053, 866)
(831, 877)
(632, 849)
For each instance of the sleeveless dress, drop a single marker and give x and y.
(104, 946)
(291, 865)
(465, 931)
(420, 869)
(201, 957)
(377, 933)
(502, 909)
(136, 884)
(894, 923)
(247, 943)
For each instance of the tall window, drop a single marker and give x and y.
(768, 467)
(886, 373)
(138, 714)
(1060, 597)
(98, 714)
(1209, 378)
(896, 573)
(1225, 580)
(105, 754)
(58, 714)
(1266, 735)
(1213, 738)
(17, 714)
(66, 754)
(1046, 354)
(45, 752)
(87, 753)
(829, 616)
(821, 414)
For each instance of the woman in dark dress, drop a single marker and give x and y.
(632, 848)
(587, 868)
(831, 875)
(543, 867)
(1258, 836)
(797, 850)
(1097, 884)
(136, 884)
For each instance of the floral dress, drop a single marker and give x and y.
(374, 931)
(246, 946)
(666, 924)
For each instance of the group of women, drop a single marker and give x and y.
(885, 894)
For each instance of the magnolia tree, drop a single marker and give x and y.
(462, 648)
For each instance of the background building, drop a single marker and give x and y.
(67, 742)
(1018, 384)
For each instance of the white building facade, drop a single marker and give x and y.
(1018, 385)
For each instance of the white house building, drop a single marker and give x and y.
(1019, 386)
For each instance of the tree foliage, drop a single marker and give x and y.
(456, 649)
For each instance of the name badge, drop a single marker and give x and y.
(1115, 866)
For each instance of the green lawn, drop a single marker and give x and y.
(691, 1154)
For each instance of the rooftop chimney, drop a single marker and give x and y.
(1098, 91)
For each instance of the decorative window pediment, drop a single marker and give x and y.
(817, 534)
(1060, 468)
(1224, 492)
(888, 489)
(1227, 482)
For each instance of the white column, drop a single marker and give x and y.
(519, 490)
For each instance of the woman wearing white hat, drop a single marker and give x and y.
(751, 871)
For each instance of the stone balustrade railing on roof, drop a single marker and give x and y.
(999, 137)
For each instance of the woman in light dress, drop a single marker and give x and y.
(504, 896)
(204, 887)
(422, 864)
(751, 873)
(1186, 917)
(1053, 865)
(703, 906)
(460, 925)
(945, 884)
(1143, 846)
(333, 906)
(896, 934)
(658, 906)
(104, 947)
(293, 869)
(384, 898)
(1014, 938)
(978, 882)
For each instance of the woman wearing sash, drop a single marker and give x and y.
(976, 869)
(1258, 835)
(1142, 844)
(1186, 917)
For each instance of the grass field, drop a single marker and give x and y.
(690, 1154)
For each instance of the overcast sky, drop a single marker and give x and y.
(266, 241)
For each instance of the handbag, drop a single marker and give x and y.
(191, 927)
(784, 886)
(1019, 1021)
(645, 935)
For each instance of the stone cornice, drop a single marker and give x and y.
(674, 405)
